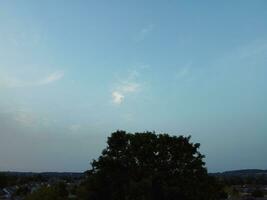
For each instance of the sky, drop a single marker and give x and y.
(73, 72)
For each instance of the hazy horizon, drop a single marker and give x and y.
(73, 72)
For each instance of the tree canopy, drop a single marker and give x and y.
(56, 192)
(3, 180)
(149, 166)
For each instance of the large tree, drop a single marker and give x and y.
(149, 166)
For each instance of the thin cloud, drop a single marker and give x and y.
(25, 118)
(75, 127)
(13, 82)
(239, 59)
(130, 87)
(144, 32)
(52, 78)
(117, 97)
(119, 94)
(184, 72)
(125, 88)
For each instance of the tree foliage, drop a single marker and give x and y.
(56, 192)
(147, 166)
(3, 180)
(257, 193)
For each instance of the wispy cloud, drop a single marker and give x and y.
(144, 32)
(252, 50)
(247, 57)
(13, 82)
(129, 87)
(52, 78)
(117, 97)
(183, 72)
(125, 87)
(75, 127)
(28, 118)
(24, 117)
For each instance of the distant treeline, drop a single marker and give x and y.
(18, 178)
(45, 174)
(243, 177)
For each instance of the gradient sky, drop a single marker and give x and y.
(72, 72)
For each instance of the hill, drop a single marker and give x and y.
(241, 173)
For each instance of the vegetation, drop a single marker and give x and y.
(3, 180)
(147, 166)
(252, 179)
(57, 192)
(257, 193)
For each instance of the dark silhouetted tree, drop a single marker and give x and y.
(3, 180)
(56, 192)
(147, 166)
(257, 193)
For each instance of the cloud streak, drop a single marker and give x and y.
(129, 87)
(184, 72)
(143, 33)
(25, 118)
(125, 88)
(13, 82)
(52, 78)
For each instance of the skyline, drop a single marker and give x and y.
(71, 73)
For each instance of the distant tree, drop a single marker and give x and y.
(147, 166)
(257, 193)
(22, 191)
(3, 180)
(73, 189)
(44, 193)
(56, 192)
(61, 189)
(235, 192)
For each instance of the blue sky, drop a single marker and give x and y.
(72, 72)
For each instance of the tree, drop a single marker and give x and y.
(44, 193)
(56, 192)
(3, 180)
(147, 166)
(257, 193)
(22, 191)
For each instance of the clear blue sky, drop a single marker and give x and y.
(72, 72)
